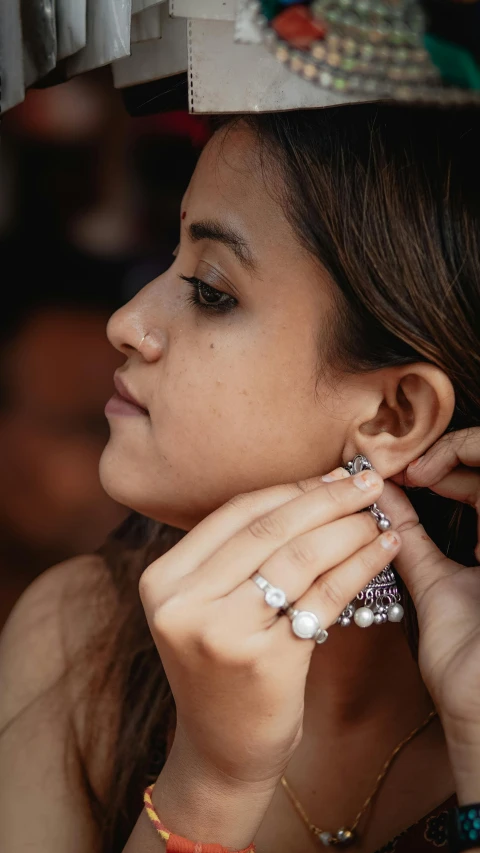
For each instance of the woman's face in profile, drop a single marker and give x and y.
(229, 369)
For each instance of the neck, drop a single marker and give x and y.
(364, 679)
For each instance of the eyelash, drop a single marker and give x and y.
(198, 286)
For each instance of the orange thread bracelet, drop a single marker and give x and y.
(177, 844)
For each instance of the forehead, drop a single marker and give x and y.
(235, 184)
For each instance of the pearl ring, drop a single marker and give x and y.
(305, 625)
(273, 595)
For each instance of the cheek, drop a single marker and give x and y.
(226, 420)
(250, 402)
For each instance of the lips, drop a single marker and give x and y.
(125, 394)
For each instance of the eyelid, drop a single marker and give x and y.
(214, 278)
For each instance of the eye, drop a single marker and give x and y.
(209, 298)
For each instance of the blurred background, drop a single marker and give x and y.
(89, 212)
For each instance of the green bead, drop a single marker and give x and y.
(457, 66)
(473, 834)
(476, 823)
(472, 813)
(270, 8)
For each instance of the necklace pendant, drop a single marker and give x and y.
(344, 837)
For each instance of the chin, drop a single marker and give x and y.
(122, 482)
(125, 485)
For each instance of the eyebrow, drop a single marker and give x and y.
(210, 229)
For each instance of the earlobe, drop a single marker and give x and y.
(414, 406)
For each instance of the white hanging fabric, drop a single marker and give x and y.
(71, 19)
(155, 59)
(108, 35)
(146, 25)
(39, 38)
(12, 84)
(140, 5)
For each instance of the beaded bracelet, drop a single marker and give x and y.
(177, 844)
(464, 828)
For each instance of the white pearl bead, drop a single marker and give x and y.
(395, 613)
(305, 625)
(384, 524)
(363, 617)
(325, 838)
(275, 597)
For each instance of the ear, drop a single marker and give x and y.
(405, 410)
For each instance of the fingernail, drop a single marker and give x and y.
(367, 480)
(416, 462)
(336, 474)
(389, 540)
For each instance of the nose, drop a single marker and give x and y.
(135, 328)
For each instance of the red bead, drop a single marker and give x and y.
(296, 26)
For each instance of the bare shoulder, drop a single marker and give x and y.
(49, 628)
(46, 629)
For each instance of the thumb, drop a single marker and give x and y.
(419, 562)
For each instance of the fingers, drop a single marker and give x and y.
(332, 591)
(420, 563)
(296, 566)
(448, 469)
(211, 533)
(246, 551)
(461, 484)
(462, 447)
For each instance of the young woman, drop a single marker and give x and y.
(323, 302)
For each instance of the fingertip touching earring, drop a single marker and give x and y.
(380, 600)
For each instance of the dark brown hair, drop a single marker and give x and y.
(388, 200)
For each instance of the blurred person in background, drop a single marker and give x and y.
(55, 374)
(82, 181)
(90, 197)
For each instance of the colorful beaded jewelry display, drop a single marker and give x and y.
(392, 49)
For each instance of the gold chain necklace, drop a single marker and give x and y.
(346, 836)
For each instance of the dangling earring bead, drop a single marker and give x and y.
(379, 601)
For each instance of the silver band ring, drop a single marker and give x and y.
(305, 625)
(274, 596)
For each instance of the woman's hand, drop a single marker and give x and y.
(447, 599)
(236, 670)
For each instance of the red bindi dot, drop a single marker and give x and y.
(184, 214)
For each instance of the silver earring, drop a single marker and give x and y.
(380, 599)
